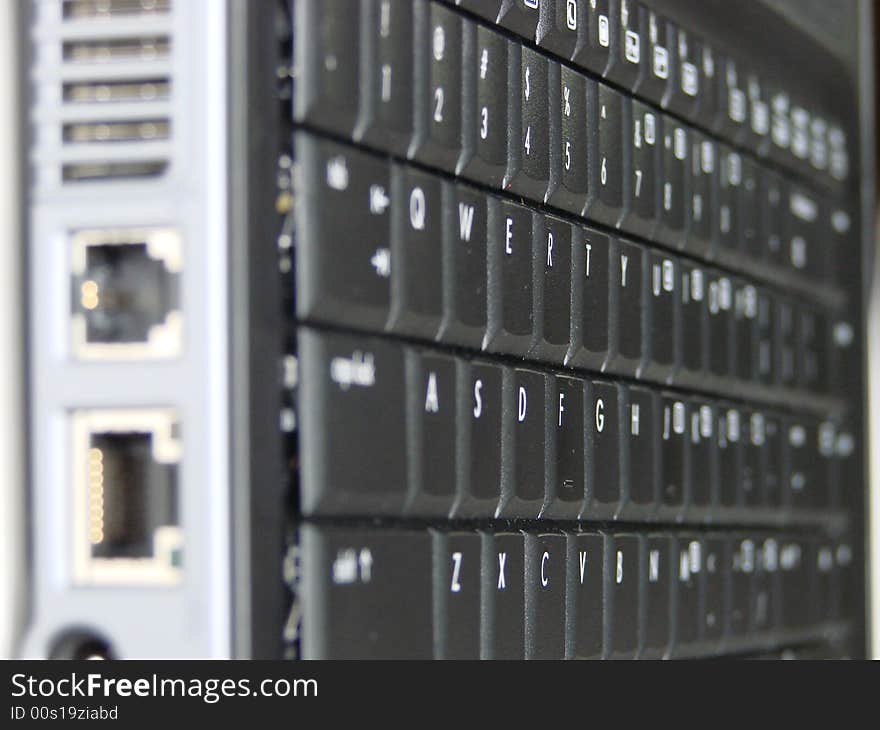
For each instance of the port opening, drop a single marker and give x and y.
(126, 500)
(80, 644)
(125, 294)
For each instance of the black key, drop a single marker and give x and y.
(805, 482)
(684, 90)
(712, 611)
(745, 314)
(591, 292)
(528, 151)
(465, 276)
(511, 316)
(703, 452)
(386, 116)
(673, 453)
(800, 136)
(810, 341)
(785, 342)
(626, 59)
(369, 593)
(433, 428)
(741, 557)
(733, 107)
(520, 16)
(457, 579)
(675, 181)
(707, 62)
(417, 252)
(841, 255)
(838, 157)
(659, 37)
(703, 193)
(694, 319)
(780, 126)
(484, 124)
(751, 238)
(606, 118)
(567, 463)
(569, 143)
(523, 445)
(629, 284)
(641, 432)
(664, 309)
(327, 61)
(487, 9)
(343, 275)
(558, 26)
(719, 305)
(758, 136)
(545, 596)
(730, 447)
(479, 417)
(584, 596)
(773, 475)
(603, 427)
(844, 356)
(765, 349)
(772, 211)
(805, 235)
(658, 570)
(438, 60)
(594, 36)
(764, 611)
(754, 428)
(795, 583)
(730, 179)
(820, 558)
(689, 551)
(826, 470)
(848, 577)
(848, 468)
(503, 596)
(644, 167)
(813, 345)
(553, 291)
(345, 377)
(622, 594)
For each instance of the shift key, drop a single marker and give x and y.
(367, 593)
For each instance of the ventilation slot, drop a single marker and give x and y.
(103, 9)
(115, 83)
(109, 92)
(117, 49)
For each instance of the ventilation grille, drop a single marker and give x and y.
(104, 90)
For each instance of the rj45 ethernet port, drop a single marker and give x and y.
(126, 503)
(125, 294)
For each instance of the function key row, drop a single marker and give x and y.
(389, 429)
(398, 593)
(469, 101)
(384, 246)
(637, 48)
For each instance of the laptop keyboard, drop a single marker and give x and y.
(571, 350)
